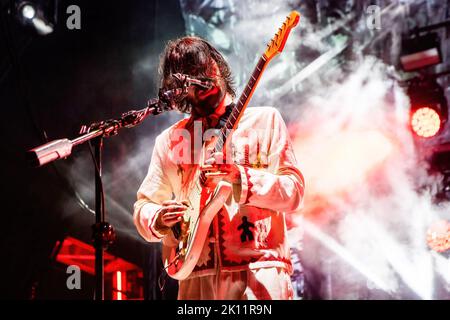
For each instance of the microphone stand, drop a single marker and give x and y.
(103, 232)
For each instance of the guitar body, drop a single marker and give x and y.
(183, 247)
(181, 257)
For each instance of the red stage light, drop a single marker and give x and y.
(119, 286)
(425, 122)
(438, 236)
(123, 277)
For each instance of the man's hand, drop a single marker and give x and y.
(215, 170)
(170, 213)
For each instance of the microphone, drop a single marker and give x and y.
(175, 98)
(49, 152)
(62, 148)
(188, 81)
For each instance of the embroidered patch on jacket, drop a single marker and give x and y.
(247, 234)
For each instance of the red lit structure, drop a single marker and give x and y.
(121, 276)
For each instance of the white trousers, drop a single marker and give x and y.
(258, 284)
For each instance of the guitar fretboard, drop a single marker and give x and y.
(239, 108)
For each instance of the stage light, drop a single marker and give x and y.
(28, 11)
(42, 27)
(428, 107)
(425, 122)
(438, 236)
(33, 14)
(420, 52)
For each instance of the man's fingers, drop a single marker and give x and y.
(169, 202)
(208, 167)
(185, 202)
(216, 174)
(169, 219)
(172, 211)
(173, 216)
(174, 207)
(215, 168)
(210, 161)
(214, 158)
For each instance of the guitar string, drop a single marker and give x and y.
(197, 188)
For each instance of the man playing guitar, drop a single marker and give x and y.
(246, 253)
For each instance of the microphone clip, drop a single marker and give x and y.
(188, 81)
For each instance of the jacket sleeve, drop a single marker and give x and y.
(281, 186)
(153, 191)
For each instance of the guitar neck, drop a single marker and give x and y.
(274, 47)
(244, 99)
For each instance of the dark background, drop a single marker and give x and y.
(49, 87)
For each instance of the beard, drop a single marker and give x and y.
(205, 102)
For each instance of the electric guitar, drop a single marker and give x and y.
(181, 256)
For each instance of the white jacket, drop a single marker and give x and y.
(250, 231)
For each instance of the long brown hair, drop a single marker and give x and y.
(193, 56)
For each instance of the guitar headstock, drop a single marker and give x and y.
(277, 43)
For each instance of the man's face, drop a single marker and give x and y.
(204, 102)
